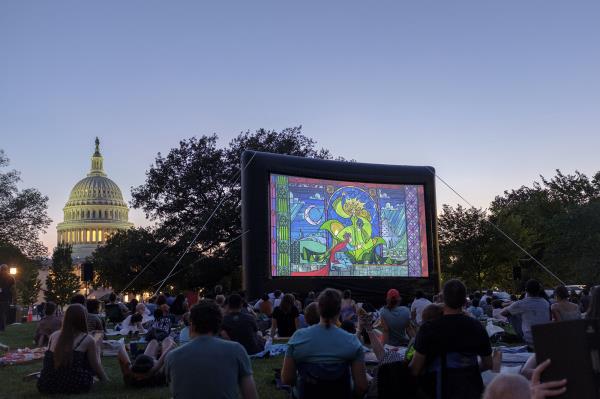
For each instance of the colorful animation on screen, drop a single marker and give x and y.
(335, 228)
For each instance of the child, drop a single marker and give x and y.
(137, 320)
(161, 327)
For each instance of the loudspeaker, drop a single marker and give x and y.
(516, 272)
(87, 272)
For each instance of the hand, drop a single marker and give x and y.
(541, 390)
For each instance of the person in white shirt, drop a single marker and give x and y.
(420, 303)
(483, 300)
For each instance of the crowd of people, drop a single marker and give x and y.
(206, 347)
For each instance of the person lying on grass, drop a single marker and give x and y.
(148, 369)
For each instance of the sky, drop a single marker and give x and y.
(492, 94)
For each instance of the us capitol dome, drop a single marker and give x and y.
(95, 210)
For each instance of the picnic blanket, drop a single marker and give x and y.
(22, 356)
(270, 351)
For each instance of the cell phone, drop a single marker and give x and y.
(573, 347)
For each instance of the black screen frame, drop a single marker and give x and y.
(257, 168)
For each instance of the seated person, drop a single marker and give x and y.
(161, 326)
(285, 317)
(487, 307)
(207, 366)
(457, 340)
(515, 386)
(94, 322)
(72, 357)
(326, 353)
(148, 369)
(241, 327)
(264, 306)
(474, 308)
(77, 298)
(533, 309)
(138, 319)
(116, 311)
(395, 319)
(48, 325)
(311, 314)
(497, 311)
(184, 334)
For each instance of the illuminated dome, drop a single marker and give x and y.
(94, 211)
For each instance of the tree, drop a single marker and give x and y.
(124, 256)
(465, 251)
(183, 188)
(62, 282)
(27, 284)
(23, 213)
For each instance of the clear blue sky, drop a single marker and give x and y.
(490, 93)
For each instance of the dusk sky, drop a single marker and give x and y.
(492, 94)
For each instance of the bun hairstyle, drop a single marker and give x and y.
(330, 303)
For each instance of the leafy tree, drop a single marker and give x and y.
(27, 284)
(124, 256)
(62, 282)
(184, 187)
(22, 213)
(464, 238)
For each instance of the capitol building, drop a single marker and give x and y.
(95, 210)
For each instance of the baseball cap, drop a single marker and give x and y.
(393, 294)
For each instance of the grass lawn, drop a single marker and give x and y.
(13, 386)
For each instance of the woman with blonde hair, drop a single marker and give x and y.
(72, 358)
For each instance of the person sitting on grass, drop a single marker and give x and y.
(137, 320)
(311, 314)
(184, 334)
(533, 310)
(394, 320)
(562, 309)
(326, 353)
(497, 310)
(241, 327)
(208, 366)
(515, 386)
(72, 358)
(148, 369)
(161, 326)
(285, 317)
(48, 325)
(457, 340)
(94, 321)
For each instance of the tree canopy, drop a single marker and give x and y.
(556, 220)
(23, 213)
(62, 283)
(184, 187)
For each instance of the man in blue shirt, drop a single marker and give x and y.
(208, 366)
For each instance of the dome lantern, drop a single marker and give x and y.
(97, 162)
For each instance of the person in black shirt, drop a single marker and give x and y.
(241, 327)
(285, 317)
(448, 349)
(7, 294)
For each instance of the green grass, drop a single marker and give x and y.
(13, 386)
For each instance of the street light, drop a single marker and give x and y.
(13, 270)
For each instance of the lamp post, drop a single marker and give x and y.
(13, 271)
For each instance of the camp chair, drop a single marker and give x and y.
(323, 381)
(394, 381)
(452, 371)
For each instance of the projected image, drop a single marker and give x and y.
(336, 228)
